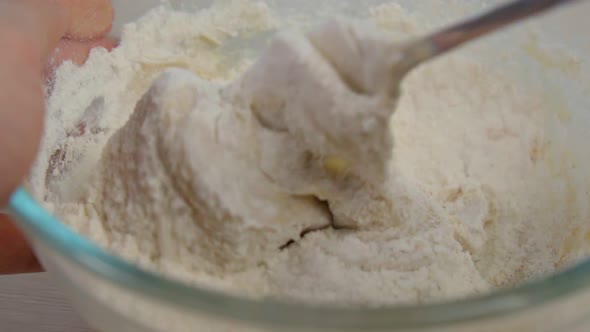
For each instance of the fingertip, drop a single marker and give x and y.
(89, 19)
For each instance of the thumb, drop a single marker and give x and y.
(28, 31)
(39, 23)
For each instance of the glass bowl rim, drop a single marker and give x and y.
(39, 224)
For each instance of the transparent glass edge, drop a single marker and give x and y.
(36, 220)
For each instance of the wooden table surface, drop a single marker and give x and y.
(31, 303)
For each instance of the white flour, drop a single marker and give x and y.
(457, 211)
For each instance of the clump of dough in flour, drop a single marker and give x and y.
(326, 118)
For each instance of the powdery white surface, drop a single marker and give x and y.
(458, 209)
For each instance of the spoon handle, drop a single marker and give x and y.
(454, 36)
(496, 19)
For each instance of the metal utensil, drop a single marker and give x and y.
(440, 42)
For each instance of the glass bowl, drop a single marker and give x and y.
(113, 295)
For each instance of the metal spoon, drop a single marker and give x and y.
(440, 42)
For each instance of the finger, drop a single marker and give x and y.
(28, 29)
(16, 255)
(21, 117)
(76, 51)
(89, 19)
(32, 25)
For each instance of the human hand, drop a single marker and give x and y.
(36, 36)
